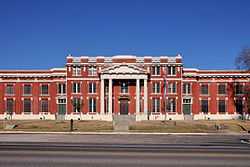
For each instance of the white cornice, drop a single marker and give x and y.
(123, 69)
(28, 75)
(124, 57)
(222, 75)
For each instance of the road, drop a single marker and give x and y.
(26, 150)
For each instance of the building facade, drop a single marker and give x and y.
(150, 88)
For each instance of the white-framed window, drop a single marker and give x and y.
(44, 105)
(186, 88)
(221, 89)
(171, 105)
(76, 102)
(124, 87)
(204, 89)
(76, 88)
(171, 87)
(92, 71)
(61, 101)
(27, 105)
(61, 88)
(27, 89)
(155, 105)
(187, 101)
(10, 103)
(221, 106)
(9, 89)
(92, 105)
(239, 106)
(239, 89)
(92, 87)
(76, 71)
(156, 70)
(44, 89)
(156, 87)
(204, 106)
(171, 70)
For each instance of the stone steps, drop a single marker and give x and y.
(188, 117)
(121, 123)
(60, 117)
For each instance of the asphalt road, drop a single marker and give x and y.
(123, 150)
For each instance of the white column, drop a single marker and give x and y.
(137, 96)
(102, 96)
(110, 96)
(145, 96)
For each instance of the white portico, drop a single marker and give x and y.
(123, 72)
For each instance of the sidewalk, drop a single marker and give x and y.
(120, 133)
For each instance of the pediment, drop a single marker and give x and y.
(123, 69)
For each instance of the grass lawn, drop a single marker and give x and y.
(58, 126)
(190, 126)
(143, 126)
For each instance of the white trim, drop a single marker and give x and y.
(35, 80)
(123, 76)
(31, 75)
(169, 79)
(83, 79)
(124, 57)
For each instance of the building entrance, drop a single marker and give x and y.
(124, 107)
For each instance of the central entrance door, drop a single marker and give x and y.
(124, 107)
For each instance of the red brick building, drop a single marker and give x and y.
(95, 88)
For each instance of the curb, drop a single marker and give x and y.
(123, 133)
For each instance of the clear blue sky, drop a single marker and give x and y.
(38, 34)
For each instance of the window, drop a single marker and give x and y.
(155, 105)
(239, 89)
(27, 105)
(156, 70)
(92, 87)
(92, 105)
(222, 106)
(76, 71)
(76, 87)
(204, 106)
(10, 106)
(172, 87)
(61, 88)
(156, 87)
(92, 71)
(45, 89)
(27, 89)
(221, 89)
(44, 105)
(124, 87)
(239, 106)
(171, 70)
(186, 88)
(9, 90)
(187, 101)
(171, 105)
(204, 89)
(76, 104)
(61, 101)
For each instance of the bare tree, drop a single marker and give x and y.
(243, 62)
